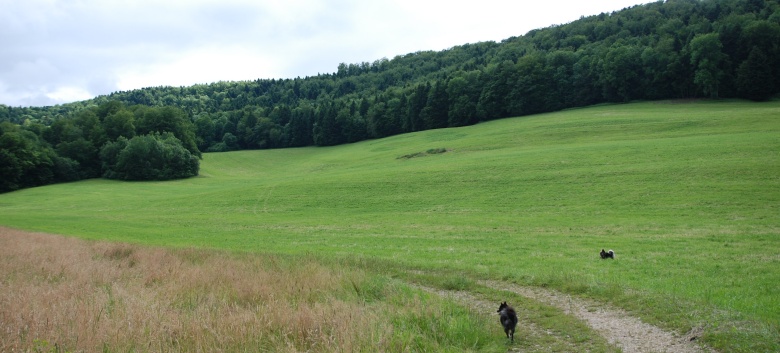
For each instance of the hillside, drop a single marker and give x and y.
(686, 193)
(682, 49)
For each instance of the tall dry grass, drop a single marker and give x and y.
(65, 294)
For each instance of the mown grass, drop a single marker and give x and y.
(688, 195)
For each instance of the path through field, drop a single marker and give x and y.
(617, 327)
(628, 333)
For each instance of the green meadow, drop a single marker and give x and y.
(686, 193)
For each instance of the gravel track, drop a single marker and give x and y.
(618, 327)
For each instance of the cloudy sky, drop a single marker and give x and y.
(59, 51)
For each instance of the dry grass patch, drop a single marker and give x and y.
(65, 294)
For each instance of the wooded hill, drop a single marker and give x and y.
(675, 49)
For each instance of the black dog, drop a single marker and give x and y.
(508, 319)
(607, 254)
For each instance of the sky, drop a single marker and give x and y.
(61, 51)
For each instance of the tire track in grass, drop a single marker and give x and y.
(263, 198)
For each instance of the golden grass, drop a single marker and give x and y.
(65, 294)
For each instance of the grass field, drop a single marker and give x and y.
(687, 194)
(69, 295)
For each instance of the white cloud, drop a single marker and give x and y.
(201, 65)
(56, 51)
(68, 94)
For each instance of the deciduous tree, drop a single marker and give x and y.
(708, 60)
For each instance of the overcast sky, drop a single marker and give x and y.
(59, 51)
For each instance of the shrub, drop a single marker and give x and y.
(148, 157)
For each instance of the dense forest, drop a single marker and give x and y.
(672, 49)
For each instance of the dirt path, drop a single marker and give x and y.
(484, 306)
(619, 328)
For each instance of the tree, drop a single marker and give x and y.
(109, 156)
(529, 91)
(281, 114)
(268, 133)
(584, 82)
(17, 158)
(416, 103)
(434, 114)
(167, 119)
(119, 123)
(463, 90)
(204, 131)
(560, 68)
(326, 130)
(299, 130)
(766, 36)
(353, 125)
(660, 70)
(109, 108)
(708, 60)
(754, 77)
(620, 73)
(229, 143)
(493, 102)
(83, 152)
(26, 160)
(245, 130)
(148, 157)
(395, 114)
(378, 125)
(91, 127)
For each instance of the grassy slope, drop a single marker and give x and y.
(686, 194)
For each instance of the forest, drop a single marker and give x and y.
(674, 49)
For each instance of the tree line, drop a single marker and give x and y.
(664, 50)
(110, 141)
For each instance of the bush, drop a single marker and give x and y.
(148, 157)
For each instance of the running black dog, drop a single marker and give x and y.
(607, 254)
(508, 318)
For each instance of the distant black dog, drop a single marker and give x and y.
(607, 254)
(508, 319)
